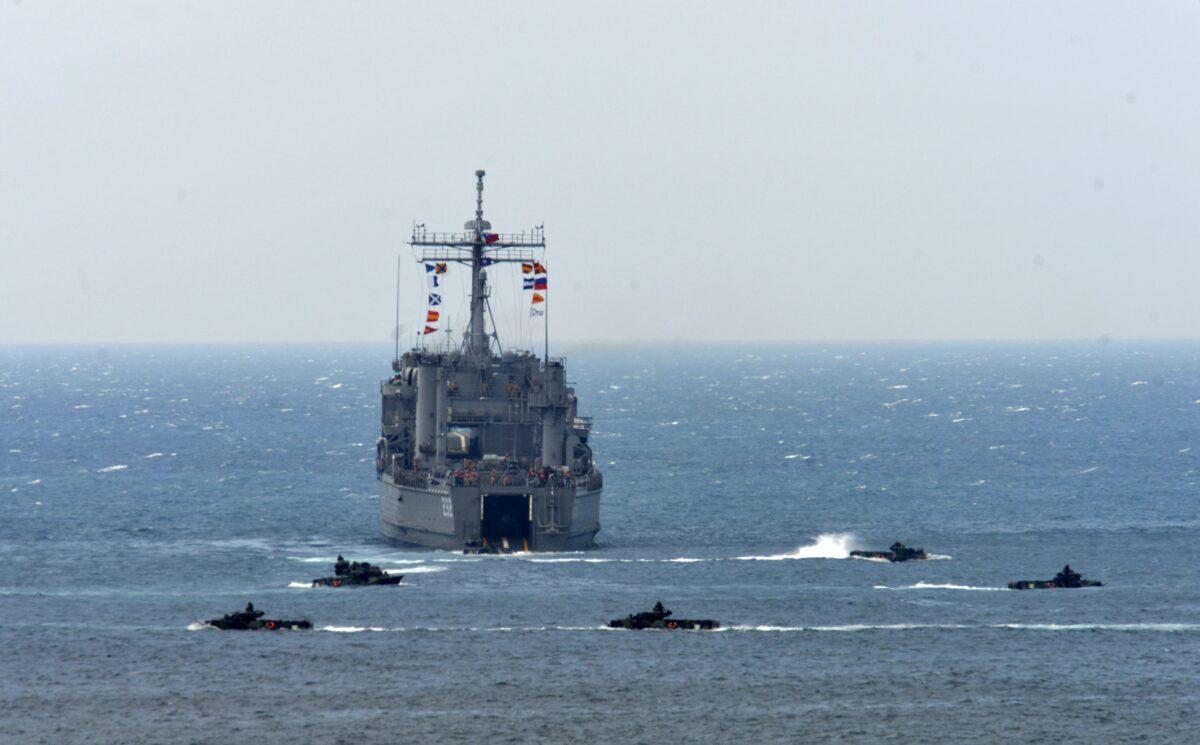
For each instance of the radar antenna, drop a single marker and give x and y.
(478, 247)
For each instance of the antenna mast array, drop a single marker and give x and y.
(478, 248)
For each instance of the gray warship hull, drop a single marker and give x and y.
(530, 518)
(483, 447)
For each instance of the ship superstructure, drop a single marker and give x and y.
(483, 447)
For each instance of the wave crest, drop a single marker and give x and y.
(824, 546)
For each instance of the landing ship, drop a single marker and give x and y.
(483, 445)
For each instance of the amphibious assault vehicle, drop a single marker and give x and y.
(356, 573)
(1067, 578)
(483, 547)
(660, 618)
(252, 620)
(897, 552)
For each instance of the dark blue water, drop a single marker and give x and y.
(144, 489)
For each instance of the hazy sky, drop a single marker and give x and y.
(209, 171)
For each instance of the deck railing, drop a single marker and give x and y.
(423, 479)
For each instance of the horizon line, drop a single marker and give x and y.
(1102, 340)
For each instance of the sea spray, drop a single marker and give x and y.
(824, 546)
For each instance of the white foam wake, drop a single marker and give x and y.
(1171, 627)
(768, 628)
(853, 627)
(1151, 627)
(573, 560)
(889, 627)
(471, 629)
(582, 560)
(825, 546)
(111, 469)
(417, 570)
(942, 586)
(332, 559)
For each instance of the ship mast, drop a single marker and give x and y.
(478, 247)
(477, 333)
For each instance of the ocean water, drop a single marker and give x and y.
(144, 489)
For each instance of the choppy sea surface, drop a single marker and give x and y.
(145, 489)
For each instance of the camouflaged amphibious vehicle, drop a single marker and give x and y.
(356, 573)
(897, 552)
(660, 618)
(1067, 578)
(252, 620)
